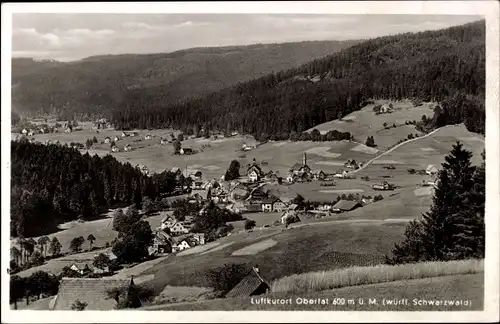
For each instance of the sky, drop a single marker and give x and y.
(68, 37)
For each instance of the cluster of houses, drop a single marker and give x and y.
(174, 236)
(299, 172)
(101, 123)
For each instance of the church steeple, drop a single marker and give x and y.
(304, 159)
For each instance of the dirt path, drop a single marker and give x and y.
(397, 146)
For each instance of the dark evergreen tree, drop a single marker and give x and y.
(454, 227)
(234, 171)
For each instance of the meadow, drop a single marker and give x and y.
(298, 250)
(354, 276)
(461, 287)
(365, 122)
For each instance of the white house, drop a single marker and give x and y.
(148, 137)
(179, 228)
(116, 139)
(115, 149)
(127, 148)
(107, 140)
(183, 245)
(341, 175)
(124, 134)
(30, 133)
(431, 170)
(67, 130)
(24, 131)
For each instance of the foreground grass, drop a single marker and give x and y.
(325, 280)
(463, 287)
(298, 250)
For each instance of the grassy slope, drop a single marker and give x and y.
(308, 248)
(102, 231)
(364, 123)
(465, 287)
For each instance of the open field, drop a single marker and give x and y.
(262, 219)
(199, 248)
(255, 248)
(452, 288)
(335, 246)
(364, 123)
(327, 280)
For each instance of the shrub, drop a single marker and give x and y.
(226, 277)
(78, 305)
(249, 224)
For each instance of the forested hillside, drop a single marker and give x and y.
(447, 66)
(52, 184)
(98, 84)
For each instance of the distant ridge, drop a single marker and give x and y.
(100, 83)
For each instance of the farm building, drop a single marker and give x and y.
(116, 139)
(251, 285)
(68, 130)
(272, 204)
(351, 164)
(81, 267)
(161, 243)
(148, 137)
(124, 134)
(341, 175)
(24, 131)
(127, 148)
(163, 141)
(115, 149)
(346, 205)
(319, 175)
(30, 133)
(178, 228)
(94, 293)
(107, 140)
(431, 170)
(385, 109)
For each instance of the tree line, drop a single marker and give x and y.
(427, 66)
(52, 184)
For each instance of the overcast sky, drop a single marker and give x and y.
(75, 36)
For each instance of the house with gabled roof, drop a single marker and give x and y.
(81, 267)
(98, 294)
(346, 205)
(431, 170)
(252, 284)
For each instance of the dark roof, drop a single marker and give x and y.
(270, 200)
(248, 285)
(254, 166)
(92, 291)
(346, 204)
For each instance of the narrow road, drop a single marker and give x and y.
(397, 146)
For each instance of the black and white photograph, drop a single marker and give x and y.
(253, 159)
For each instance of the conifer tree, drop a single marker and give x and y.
(454, 227)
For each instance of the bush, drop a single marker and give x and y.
(226, 277)
(249, 224)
